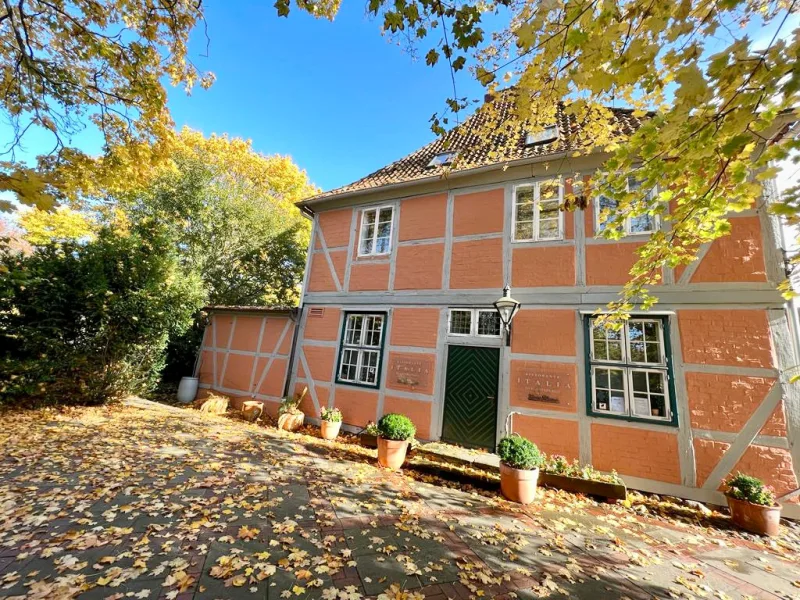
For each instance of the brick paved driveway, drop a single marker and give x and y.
(153, 503)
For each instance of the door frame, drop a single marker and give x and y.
(474, 343)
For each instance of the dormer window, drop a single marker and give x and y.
(548, 134)
(442, 159)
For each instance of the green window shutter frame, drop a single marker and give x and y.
(587, 359)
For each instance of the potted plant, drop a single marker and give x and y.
(752, 504)
(394, 432)
(290, 417)
(331, 423)
(520, 460)
(369, 435)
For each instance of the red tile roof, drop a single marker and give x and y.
(505, 143)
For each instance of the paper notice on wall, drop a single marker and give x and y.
(641, 406)
(618, 404)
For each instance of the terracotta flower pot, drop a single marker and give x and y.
(764, 520)
(518, 485)
(330, 429)
(290, 421)
(391, 453)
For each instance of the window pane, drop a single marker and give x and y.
(369, 367)
(524, 231)
(524, 194)
(649, 396)
(548, 229)
(642, 224)
(367, 233)
(348, 367)
(488, 322)
(352, 335)
(373, 329)
(604, 202)
(386, 215)
(607, 344)
(461, 322)
(549, 190)
(610, 390)
(525, 212)
(645, 341)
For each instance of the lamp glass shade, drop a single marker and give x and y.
(507, 308)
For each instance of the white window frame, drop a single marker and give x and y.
(362, 348)
(536, 210)
(473, 323)
(544, 137)
(627, 226)
(374, 241)
(451, 154)
(628, 367)
(450, 322)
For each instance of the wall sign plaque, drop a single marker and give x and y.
(413, 373)
(546, 385)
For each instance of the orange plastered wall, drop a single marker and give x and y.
(418, 327)
(423, 218)
(552, 436)
(738, 338)
(636, 452)
(242, 367)
(477, 264)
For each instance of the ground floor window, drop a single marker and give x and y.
(361, 348)
(629, 370)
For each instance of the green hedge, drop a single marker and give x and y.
(85, 322)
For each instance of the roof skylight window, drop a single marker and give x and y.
(548, 134)
(442, 159)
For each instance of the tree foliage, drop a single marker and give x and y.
(70, 64)
(87, 322)
(62, 224)
(230, 212)
(713, 99)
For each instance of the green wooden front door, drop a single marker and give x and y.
(470, 397)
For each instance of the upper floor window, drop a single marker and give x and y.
(537, 211)
(376, 231)
(629, 370)
(548, 134)
(362, 347)
(443, 159)
(639, 224)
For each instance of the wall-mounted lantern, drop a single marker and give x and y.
(507, 308)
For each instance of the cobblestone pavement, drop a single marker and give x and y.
(127, 502)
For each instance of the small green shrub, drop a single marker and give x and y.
(332, 415)
(748, 488)
(396, 427)
(518, 452)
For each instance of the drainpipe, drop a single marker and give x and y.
(308, 214)
(297, 320)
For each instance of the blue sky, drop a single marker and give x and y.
(338, 97)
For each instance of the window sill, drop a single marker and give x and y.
(599, 415)
(368, 386)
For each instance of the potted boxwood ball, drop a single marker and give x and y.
(752, 504)
(331, 423)
(520, 460)
(394, 433)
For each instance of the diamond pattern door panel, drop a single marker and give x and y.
(470, 398)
